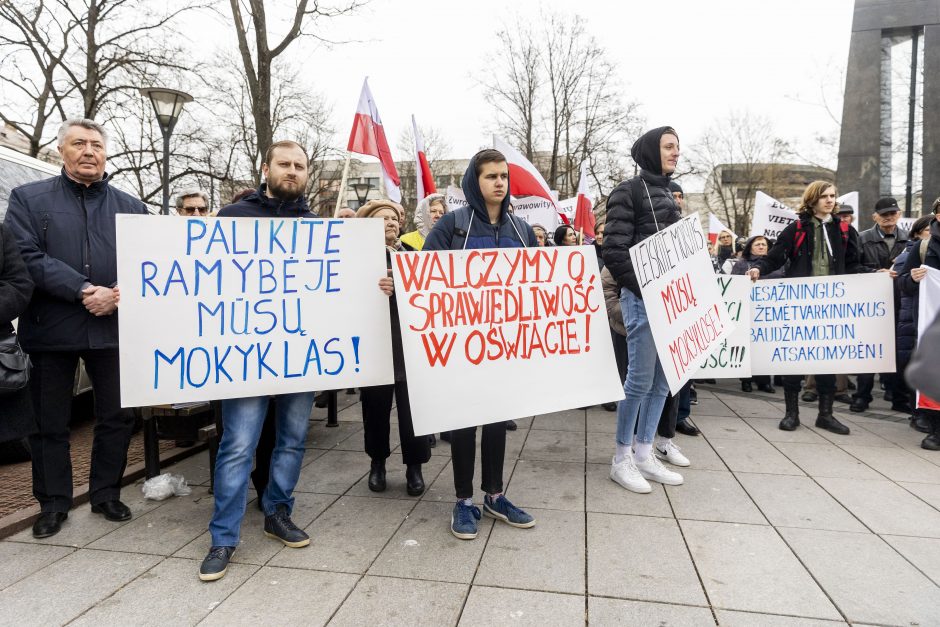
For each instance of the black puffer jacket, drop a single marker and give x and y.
(909, 286)
(628, 224)
(844, 250)
(906, 336)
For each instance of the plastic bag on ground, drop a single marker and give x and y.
(164, 486)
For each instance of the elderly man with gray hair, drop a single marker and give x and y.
(65, 227)
(192, 202)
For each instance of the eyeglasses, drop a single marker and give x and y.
(188, 211)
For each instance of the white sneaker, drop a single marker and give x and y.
(626, 474)
(653, 470)
(668, 451)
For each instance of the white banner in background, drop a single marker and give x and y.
(770, 216)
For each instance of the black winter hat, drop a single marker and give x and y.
(645, 150)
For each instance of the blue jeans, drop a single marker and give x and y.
(645, 386)
(242, 419)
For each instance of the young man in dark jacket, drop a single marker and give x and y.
(486, 223)
(65, 227)
(637, 209)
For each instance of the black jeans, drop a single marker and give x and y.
(620, 353)
(669, 417)
(376, 410)
(53, 375)
(866, 383)
(463, 447)
(825, 383)
(265, 449)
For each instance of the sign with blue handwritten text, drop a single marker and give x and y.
(823, 325)
(732, 358)
(687, 316)
(237, 307)
(505, 333)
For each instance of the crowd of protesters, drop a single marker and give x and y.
(59, 279)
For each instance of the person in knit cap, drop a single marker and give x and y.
(427, 213)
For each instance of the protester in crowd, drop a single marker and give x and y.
(16, 288)
(282, 194)
(192, 202)
(878, 247)
(906, 336)
(345, 213)
(816, 244)
(636, 209)
(541, 236)
(485, 223)
(427, 213)
(377, 400)
(847, 213)
(725, 249)
(565, 235)
(919, 258)
(936, 207)
(599, 243)
(755, 248)
(65, 229)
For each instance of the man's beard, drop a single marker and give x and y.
(285, 193)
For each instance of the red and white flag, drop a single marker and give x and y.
(524, 179)
(584, 210)
(368, 138)
(425, 181)
(715, 228)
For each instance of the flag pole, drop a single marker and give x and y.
(342, 185)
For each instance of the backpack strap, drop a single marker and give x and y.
(798, 238)
(461, 228)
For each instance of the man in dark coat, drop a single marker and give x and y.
(16, 287)
(65, 227)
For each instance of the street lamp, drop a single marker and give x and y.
(167, 104)
(362, 191)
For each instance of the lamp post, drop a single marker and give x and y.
(167, 104)
(362, 191)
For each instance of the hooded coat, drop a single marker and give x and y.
(508, 232)
(844, 250)
(415, 239)
(628, 224)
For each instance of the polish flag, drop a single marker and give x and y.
(584, 213)
(524, 179)
(425, 181)
(368, 138)
(715, 227)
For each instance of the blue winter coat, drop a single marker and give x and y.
(66, 234)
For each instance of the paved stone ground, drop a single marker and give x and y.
(770, 528)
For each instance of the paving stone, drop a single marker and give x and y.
(395, 484)
(770, 429)
(885, 507)
(600, 448)
(603, 495)
(712, 495)
(194, 469)
(925, 491)
(725, 428)
(334, 472)
(826, 460)
(866, 578)
(602, 422)
(858, 436)
(348, 536)
(709, 405)
(570, 420)
(170, 593)
(527, 487)
(498, 606)
(547, 557)
(416, 548)
(700, 453)
(555, 446)
(754, 456)
(356, 442)
(63, 590)
(21, 559)
(164, 530)
(897, 464)
(321, 436)
(300, 597)
(401, 603)
(751, 406)
(748, 567)
(924, 553)
(615, 612)
(730, 618)
(797, 502)
(636, 557)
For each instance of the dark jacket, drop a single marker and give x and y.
(844, 253)
(508, 233)
(908, 286)
(259, 205)
(16, 419)
(749, 260)
(628, 224)
(873, 251)
(66, 232)
(906, 336)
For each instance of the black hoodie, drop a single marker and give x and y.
(628, 224)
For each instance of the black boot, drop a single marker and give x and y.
(825, 419)
(414, 479)
(377, 476)
(920, 422)
(791, 419)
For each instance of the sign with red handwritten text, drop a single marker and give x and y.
(687, 315)
(497, 334)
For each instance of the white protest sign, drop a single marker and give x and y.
(823, 325)
(770, 216)
(568, 208)
(455, 199)
(536, 210)
(906, 224)
(732, 359)
(236, 307)
(497, 334)
(851, 200)
(928, 306)
(687, 315)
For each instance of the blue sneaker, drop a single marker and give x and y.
(463, 521)
(502, 509)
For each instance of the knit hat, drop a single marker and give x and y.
(372, 207)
